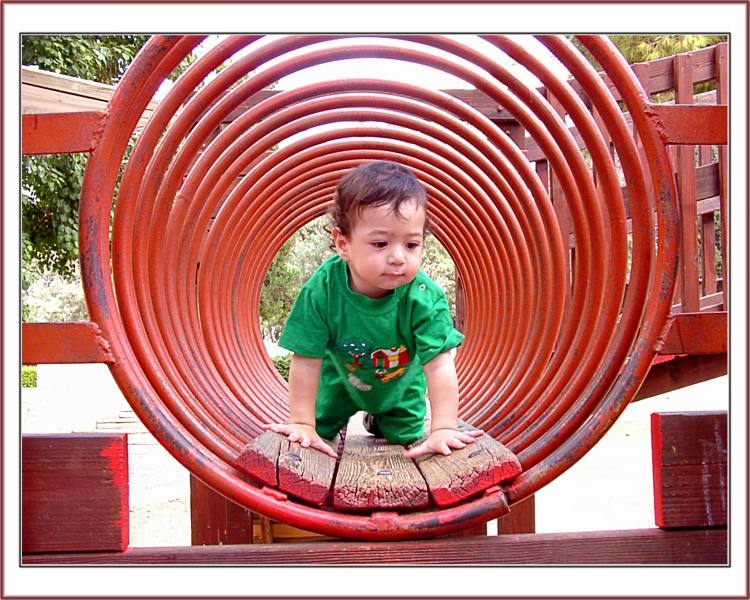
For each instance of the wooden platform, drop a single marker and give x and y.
(371, 474)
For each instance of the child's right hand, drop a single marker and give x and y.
(303, 434)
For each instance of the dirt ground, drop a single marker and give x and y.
(610, 488)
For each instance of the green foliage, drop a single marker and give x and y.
(54, 298)
(282, 364)
(51, 184)
(28, 376)
(280, 287)
(101, 58)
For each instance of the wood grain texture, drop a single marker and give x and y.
(690, 468)
(373, 474)
(468, 471)
(75, 492)
(259, 458)
(305, 473)
(631, 547)
(216, 520)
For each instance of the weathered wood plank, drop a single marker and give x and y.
(216, 520)
(637, 546)
(304, 473)
(260, 457)
(373, 474)
(468, 471)
(690, 468)
(75, 492)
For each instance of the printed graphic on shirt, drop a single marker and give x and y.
(390, 358)
(356, 347)
(357, 383)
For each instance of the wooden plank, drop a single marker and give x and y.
(637, 546)
(520, 519)
(304, 473)
(722, 97)
(680, 372)
(74, 492)
(260, 457)
(689, 453)
(696, 333)
(63, 343)
(373, 474)
(61, 133)
(692, 123)
(216, 520)
(686, 191)
(468, 471)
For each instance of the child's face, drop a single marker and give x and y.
(383, 249)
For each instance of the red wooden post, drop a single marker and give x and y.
(688, 277)
(75, 492)
(722, 97)
(520, 519)
(216, 520)
(690, 468)
(708, 235)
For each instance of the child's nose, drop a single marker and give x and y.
(397, 256)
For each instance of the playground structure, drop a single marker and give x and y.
(561, 331)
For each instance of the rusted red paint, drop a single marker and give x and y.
(58, 133)
(548, 363)
(696, 333)
(64, 343)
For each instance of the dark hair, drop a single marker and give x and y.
(377, 183)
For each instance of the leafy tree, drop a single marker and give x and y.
(643, 48)
(51, 184)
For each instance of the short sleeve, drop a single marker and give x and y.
(306, 332)
(433, 328)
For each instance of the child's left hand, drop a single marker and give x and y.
(441, 441)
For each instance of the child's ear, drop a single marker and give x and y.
(341, 243)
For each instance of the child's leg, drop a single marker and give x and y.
(405, 423)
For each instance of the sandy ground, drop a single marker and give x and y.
(610, 488)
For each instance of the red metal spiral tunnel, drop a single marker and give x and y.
(549, 361)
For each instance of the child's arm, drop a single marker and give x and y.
(304, 374)
(442, 386)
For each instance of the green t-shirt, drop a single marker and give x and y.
(373, 350)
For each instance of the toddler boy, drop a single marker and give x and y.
(369, 330)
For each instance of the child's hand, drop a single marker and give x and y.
(441, 441)
(305, 435)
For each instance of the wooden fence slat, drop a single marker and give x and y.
(638, 546)
(690, 468)
(63, 343)
(688, 255)
(74, 492)
(722, 97)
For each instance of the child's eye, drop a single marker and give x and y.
(379, 244)
(413, 245)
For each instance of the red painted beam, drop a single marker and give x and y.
(679, 372)
(63, 343)
(636, 546)
(58, 133)
(696, 333)
(692, 123)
